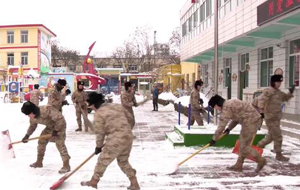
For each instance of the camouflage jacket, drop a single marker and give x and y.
(194, 101)
(270, 101)
(239, 112)
(79, 97)
(35, 96)
(55, 97)
(128, 100)
(110, 122)
(50, 117)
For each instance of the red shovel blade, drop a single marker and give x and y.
(59, 182)
(236, 150)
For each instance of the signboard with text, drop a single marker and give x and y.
(272, 9)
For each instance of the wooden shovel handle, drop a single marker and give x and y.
(198, 151)
(78, 167)
(34, 138)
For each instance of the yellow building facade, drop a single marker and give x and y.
(190, 73)
(170, 76)
(28, 46)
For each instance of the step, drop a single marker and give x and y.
(175, 138)
(202, 135)
(288, 130)
(290, 124)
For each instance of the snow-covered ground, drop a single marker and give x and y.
(152, 156)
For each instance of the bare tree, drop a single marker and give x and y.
(174, 44)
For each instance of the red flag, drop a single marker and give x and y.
(193, 1)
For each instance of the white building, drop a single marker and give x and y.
(256, 39)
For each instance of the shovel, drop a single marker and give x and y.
(198, 151)
(34, 138)
(236, 149)
(65, 177)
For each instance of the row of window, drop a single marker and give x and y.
(11, 36)
(205, 11)
(11, 58)
(266, 66)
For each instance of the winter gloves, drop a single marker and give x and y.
(201, 101)
(226, 131)
(292, 89)
(262, 115)
(25, 139)
(55, 134)
(98, 150)
(65, 102)
(212, 142)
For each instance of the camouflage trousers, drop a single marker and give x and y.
(59, 141)
(130, 118)
(111, 151)
(245, 139)
(274, 134)
(81, 111)
(196, 115)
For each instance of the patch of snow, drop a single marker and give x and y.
(167, 96)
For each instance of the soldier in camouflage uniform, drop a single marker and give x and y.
(36, 95)
(128, 101)
(55, 96)
(196, 108)
(111, 124)
(269, 104)
(79, 98)
(245, 114)
(55, 125)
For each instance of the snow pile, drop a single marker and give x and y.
(185, 100)
(139, 98)
(6, 154)
(167, 96)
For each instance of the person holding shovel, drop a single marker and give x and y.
(128, 101)
(79, 98)
(111, 125)
(245, 114)
(269, 104)
(196, 104)
(55, 128)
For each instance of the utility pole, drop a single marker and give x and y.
(216, 57)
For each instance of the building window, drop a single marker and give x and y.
(266, 66)
(10, 58)
(190, 24)
(196, 18)
(208, 8)
(188, 80)
(132, 68)
(184, 29)
(24, 58)
(294, 62)
(24, 36)
(205, 73)
(202, 12)
(10, 37)
(244, 68)
(117, 66)
(227, 68)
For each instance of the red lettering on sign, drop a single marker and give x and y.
(279, 6)
(271, 9)
(289, 3)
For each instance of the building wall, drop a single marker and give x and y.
(232, 23)
(187, 71)
(17, 47)
(280, 60)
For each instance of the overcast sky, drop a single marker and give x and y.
(78, 23)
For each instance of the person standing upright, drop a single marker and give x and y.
(155, 94)
(269, 105)
(36, 95)
(195, 102)
(79, 98)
